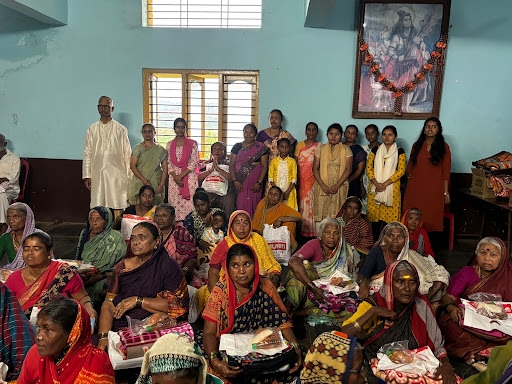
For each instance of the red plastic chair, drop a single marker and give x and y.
(451, 232)
(24, 168)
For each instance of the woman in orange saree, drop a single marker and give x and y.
(305, 154)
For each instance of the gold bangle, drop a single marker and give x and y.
(138, 302)
(103, 335)
(356, 325)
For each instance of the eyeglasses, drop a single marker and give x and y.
(104, 106)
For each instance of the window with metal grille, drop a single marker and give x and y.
(202, 13)
(216, 104)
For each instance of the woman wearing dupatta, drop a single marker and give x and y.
(248, 165)
(178, 242)
(271, 135)
(21, 223)
(148, 163)
(43, 279)
(183, 165)
(320, 259)
(150, 282)
(244, 302)
(273, 211)
(64, 353)
(356, 230)
(305, 154)
(418, 237)
(240, 231)
(393, 245)
(101, 246)
(492, 273)
(398, 311)
(331, 167)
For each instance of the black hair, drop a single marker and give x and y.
(146, 187)
(336, 126)
(43, 237)
(180, 120)
(372, 126)
(150, 227)
(277, 111)
(392, 128)
(200, 195)
(283, 140)
(437, 149)
(221, 143)
(312, 123)
(168, 207)
(222, 214)
(353, 199)
(149, 125)
(276, 187)
(353, 126)
(239, 250)
(62, 311)
(253, 127)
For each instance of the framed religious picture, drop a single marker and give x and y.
(401, 53)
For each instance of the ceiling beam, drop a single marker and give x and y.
(52, 12)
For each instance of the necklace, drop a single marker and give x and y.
(15, 242)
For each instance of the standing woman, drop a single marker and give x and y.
(331, 167)
(183, 165)
(358, 161)
(372, 135)
(385, 166)
(269, 136)
(305, 154)
(429, 175)
(248, 165)
(148, 163)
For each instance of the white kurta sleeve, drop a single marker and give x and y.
(86, 162)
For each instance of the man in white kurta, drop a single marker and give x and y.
(9, 180)
(107, 159)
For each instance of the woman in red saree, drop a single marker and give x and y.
(305, 154)
(63, 352)
(42, 279)
(492, 273)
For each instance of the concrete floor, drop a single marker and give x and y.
(65, 237)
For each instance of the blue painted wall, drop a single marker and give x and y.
(50, 78)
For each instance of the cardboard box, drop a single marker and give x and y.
(480, 185)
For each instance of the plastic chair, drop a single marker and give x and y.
(24, 168)
(451, 232)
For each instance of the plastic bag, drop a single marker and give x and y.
(314, 320)
(491, 310)
(398, 352)
(127, 224)
(155, 322)
(266, 338)
(279, 241)
(482, 296)
(215, 182)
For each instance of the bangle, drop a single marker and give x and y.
(311, 285)
(295, 345)
(185, 269)
(88, 301)
(214, 355)
(356, 325)
(258, 183)
(446, 193)
(103, 335)
(138, 302)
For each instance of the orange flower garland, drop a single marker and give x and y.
(436, 59)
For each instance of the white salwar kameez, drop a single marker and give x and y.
(107, 163)
(9, 190)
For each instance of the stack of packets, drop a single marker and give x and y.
(126, 350)
(488, 316)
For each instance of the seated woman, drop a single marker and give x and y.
(101, 246)
(240, 231)
(150, 282)
(144, 208)
(319, 259)
(173, 357)
(200, 218)
(418, 237)
(273, 211)
(329, 358)
(492, 273)
(64, 352)
(42, 279)
(399, 312)
(357, 231)
(21, 223)
(499, 367)
(180, 244)
(393, 245)
(17, 333)
(244, 302)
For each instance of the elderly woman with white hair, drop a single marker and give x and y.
(490, 272)
(318, 259)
